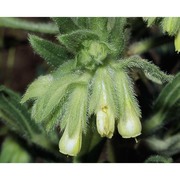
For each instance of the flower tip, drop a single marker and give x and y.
(131, 136)
(70, 145)
(130, 128)
(105, 124)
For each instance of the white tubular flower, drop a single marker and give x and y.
(105, 119)
(71, 145)
(74, 121)
(129, 126)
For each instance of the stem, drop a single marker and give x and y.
(147, 44)
(18, 23)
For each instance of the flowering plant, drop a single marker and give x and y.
(90, 92)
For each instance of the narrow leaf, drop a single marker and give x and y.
(12, 152)
(15, 114)
(65, 24)
(171, 25)
(81, 22)
(151, 71)
(73, 41)
(118, 35)
(168, 146)
(164, 106)
(169, 95)
(17, 23)
(99, 26)
(54, 54)
(159, 159)
(149, 20)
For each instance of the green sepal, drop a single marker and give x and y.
(73, 41)
(37, 88)
(102, 81)
(125, 93)
(52, 121)
(45, 105)
(65, 24)
(66, 68)
(53, 53)
(76, 109)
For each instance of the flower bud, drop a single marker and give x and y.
(71, 145)
(177, 42)
(93, 53)
(129, 126)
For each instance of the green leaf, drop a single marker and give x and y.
(51, 52)
(150, 20)
(171, 25)
(17, 119)
(170, 95)
(81, 22)
(151, 71)
(117, 37)
(145, 45)
(159, 159)
(99, 26)
(164, 105)
(12, 152)
(18, 23)
(74, 40)
(14, 114)
(168, 146)
(65, 24)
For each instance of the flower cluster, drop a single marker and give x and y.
(73, 97)
(91, 81)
